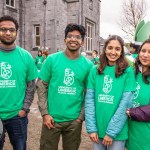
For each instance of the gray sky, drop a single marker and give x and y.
(110, 14)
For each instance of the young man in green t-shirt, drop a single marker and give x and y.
(17, 84)
(60, 88)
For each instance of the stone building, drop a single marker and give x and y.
(42, 22)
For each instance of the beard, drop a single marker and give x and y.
(7, 42)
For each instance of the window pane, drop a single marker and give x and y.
(7, 2)
(37, 30)
(12, 3)
(37, 41)
(88, 44)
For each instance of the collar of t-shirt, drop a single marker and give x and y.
(7, 49)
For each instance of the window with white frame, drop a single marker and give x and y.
(89, 35)
(10, 3)
(37, 37)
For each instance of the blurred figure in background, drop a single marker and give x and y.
(95, 58)
(45, 54)
(39, 59)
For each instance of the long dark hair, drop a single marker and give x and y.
(145, 74)
(121, 63)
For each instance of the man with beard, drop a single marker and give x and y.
(17, 84)
(61, 86)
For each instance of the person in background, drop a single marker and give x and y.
(139, 123)
(95, 58)
(61, 86)
(132, 54)
(134, 49)
(109, 93)
(45, 54)
(17, 78)
(39, 59)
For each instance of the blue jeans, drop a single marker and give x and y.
(116, 145)
(16, 128)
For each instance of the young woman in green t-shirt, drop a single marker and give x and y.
(109, 92)
(139, 124)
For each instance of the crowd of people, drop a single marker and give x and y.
(109, 92)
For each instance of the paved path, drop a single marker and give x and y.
(34, 130)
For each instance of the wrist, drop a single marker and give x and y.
(26, 110)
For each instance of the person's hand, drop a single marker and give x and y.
(22, 113)
(48, 121)
(107, 141)
(94, 137)
(79, 120)
(128, 112)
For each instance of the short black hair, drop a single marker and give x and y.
(95, 51)
(72, 27)
(10, 18)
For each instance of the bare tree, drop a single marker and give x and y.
(133, 11)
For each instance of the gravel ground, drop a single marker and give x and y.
(34, 130)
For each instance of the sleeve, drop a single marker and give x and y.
(81, 116)
(141, 113)
(45, 72)
(90, 116)
(29, 95)
(90, 112)
(130, 83)
(119, 119)
(42, 89)
(32, 70)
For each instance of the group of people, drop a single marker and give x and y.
(112, 95)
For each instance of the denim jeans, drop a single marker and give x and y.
(117, 145)
(16, 128)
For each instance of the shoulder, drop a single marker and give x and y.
(23, 52)
(86, 60)
(55, 55)
(129, 69)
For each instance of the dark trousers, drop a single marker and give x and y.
(17, 131)
(71, 136)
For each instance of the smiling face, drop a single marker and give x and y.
(73, 41)
(8, 33)
(113, 51)
(144, 56)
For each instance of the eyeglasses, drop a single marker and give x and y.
(78, 37)
(11, 30)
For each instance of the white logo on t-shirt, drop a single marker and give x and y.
(69, 77)
(136, 93)
(5, 70)
(107, 86)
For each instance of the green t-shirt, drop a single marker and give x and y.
(139, 132)
(67, 80)
(16, 69)
(95, 61)
(39, 62)
(108, 92)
